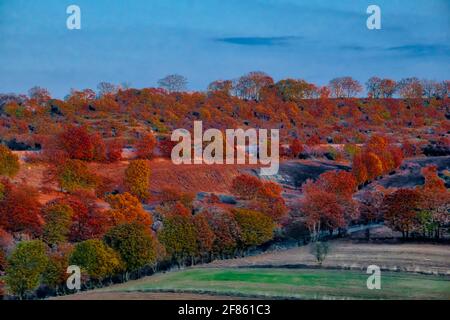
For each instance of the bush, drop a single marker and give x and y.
(55, 273)
(178, 235)
(205, 236)
(114, 150)
(20, 210)
(320, 251)
(145, 146)
(246, 186)
(134, 243)
(9, 162)
(137, 177)
(87, 221)
(58, 219)
(96, 259)
(256, 227)
(226, 232)
(126, 208)
(77, 143)
(74, 175)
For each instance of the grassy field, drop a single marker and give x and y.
(292, 283)
(244, 278)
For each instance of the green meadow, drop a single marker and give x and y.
(294, 283)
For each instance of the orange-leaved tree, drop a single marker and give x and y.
(127, 208)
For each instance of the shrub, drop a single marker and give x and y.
(320, 251)
(77, 143)
(96, 259)
(74, 175)
(9, 162)
(126, 208)
(145, 146)
(171, 196)
(20, 210)
(137, 177)
(245, 186)
(114, 150)
(270, 202)
(205, 236)
(58, 219)
(226, 232)
(134, 243)
(55, 273)
(178, 236)
(256, 227)
(88, 221)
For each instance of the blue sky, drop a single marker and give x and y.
(140, 41)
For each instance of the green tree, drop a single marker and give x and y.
(74, 175)
(2, 191)
(55, 273)
(134, 243)
(58, 219)
(256, 227)
(25, 267)
(96, 259)
(178, 235)
(9, 162)
(137, 179)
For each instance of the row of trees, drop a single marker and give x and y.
(72, 229)
(124, 118)
(252, 85)
(120, 241)
(423, 210)
(328, 204)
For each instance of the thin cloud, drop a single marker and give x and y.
(259, 41)
(421, 49)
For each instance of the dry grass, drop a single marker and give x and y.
(423, 258)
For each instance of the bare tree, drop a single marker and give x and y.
(221, 86)
(387, 88)
(344, 87)
(6, 98)
(373, 86)
(106, 88)
(41, 95)
(409, 88)
(173, 83)
(250, 85)
(320, 251)
(442, 89)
